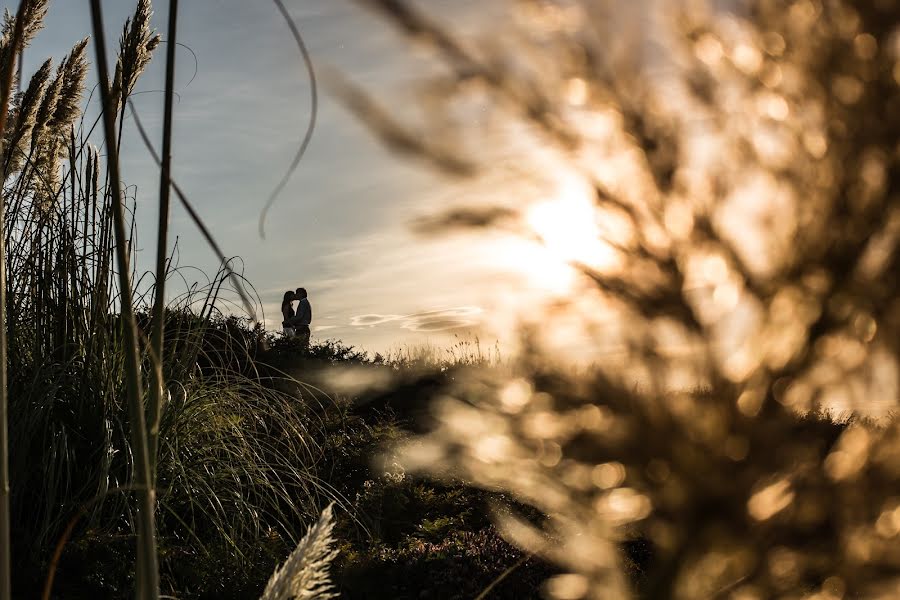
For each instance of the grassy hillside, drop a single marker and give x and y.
(249, 455)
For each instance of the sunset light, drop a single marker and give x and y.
(450, 299)
(567, 225)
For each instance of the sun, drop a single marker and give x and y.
(561, 233)
(567, 226)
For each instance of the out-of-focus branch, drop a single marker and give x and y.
(393, 134)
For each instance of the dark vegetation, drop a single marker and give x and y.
(239, 480)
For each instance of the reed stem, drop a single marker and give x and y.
(147, 570)
(5, 546)
(158, 333)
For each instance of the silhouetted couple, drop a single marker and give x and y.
(296, 322)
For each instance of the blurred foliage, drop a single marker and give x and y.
(408, 538)
(741, 166)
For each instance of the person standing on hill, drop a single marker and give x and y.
(303, 317)
(288, 314)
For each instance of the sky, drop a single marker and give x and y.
(342, 226)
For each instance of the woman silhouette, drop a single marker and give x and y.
(287, 311)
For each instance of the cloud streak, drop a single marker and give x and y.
(424, 321)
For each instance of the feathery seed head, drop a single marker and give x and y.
(46, 167)
(46, 109)
(304, 575)
(55, 115)
(73, 71)
(136, 47)
(33, 14)
(22, 118)
(29, 100)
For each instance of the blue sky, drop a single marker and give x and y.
(340, 227)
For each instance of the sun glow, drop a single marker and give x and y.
(542, 271)
(564, 233)
(560, 235)
(568, 228)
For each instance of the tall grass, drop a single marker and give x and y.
(135, 53)
(16, 36)
(464, 352)
(11, 46)
(208, 448)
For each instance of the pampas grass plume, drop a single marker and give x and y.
(304, 575)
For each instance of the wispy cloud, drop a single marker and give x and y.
(425, 321)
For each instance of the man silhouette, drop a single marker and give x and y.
(303, 317)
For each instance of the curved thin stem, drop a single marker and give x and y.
(311, 124)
